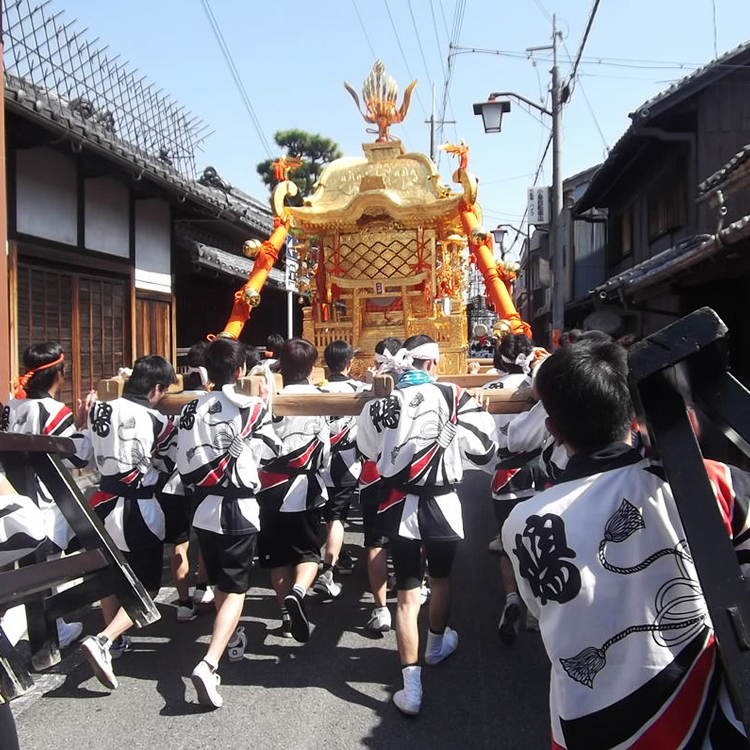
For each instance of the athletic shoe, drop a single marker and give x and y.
(496, 545)
(237, 645)
(532, 624)
(380, 620)
(95, 649)
(440, 648)
(424, 593)
(285, 631)
(325, 585)
(409, 700)
(203, 597)
(509, 622)
(206, 682)
(345, 563)
(67, 632)
(186, 614)
(299, 625)
(120, 646)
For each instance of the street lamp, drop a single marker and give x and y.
(491, 112)
(498, 234)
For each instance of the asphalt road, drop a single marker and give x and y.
(333, 692)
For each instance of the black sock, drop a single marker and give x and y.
(327, 567)
(412, 664)
(200, 586)
(186, 603)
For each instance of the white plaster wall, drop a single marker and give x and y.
(153, 246)
(46, 195)
(107, 216)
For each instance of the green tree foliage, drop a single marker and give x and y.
(315, 152)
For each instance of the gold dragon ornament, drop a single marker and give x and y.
(380, 92)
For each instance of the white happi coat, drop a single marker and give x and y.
(602, 561)
(134, 448)
(420, 437)
(47, 416)
(346, 463)
(223, 441)
(292, 482)
(22, 527)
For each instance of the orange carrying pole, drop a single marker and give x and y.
(248, 297)
(497, 289)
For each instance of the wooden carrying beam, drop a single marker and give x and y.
(497, 401)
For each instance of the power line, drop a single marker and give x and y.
(591, 110)
(236, 76)
(458, 20)
(403, 55)
(445, 24)
(419, 43)
(437, 37)
(587, 31)
(364, 30)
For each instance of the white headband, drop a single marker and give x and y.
(202, 371)
(403, 360)
(522, 360)
(425, 351)
(380, 358)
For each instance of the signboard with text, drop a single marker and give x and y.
(292, 269)
(538, 205)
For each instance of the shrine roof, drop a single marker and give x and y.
(406, 186)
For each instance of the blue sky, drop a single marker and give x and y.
(294, 56)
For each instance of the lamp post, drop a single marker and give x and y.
(492, 112)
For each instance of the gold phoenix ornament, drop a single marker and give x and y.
(380, 93)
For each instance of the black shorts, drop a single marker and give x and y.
(369, 516)
(339, 502)
(289, 538)
(177, 516)
(502, 510)
(146, 564)
(407, 560)
(227, 559)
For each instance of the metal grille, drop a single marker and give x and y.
(378, 259)
(48, 60)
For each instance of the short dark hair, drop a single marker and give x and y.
(510, 347)
(570, 337)
(252, 357)
(37, 355)
(195, 358)
(594, 336)
(338, 354)
(149, 371)
(584, 388)
(297, 358)
(274, 343)
(418, 340)
(391, 345)
(223, 357)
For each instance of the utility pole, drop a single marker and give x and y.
(431, 121)
(556, 228)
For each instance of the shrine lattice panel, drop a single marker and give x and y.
(378, 259)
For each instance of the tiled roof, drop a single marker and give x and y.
(718, 177)
(670, 262)
(235, 266)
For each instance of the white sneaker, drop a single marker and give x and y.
(67, 632)
(510, 620)
(185, 614)
(203, 597)
(409, 700)
(496, 545)
(206, 682)
(95, 649)
(237, 645)
(380, 620)
(325, 586)
(440, 647)
(532, 624)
